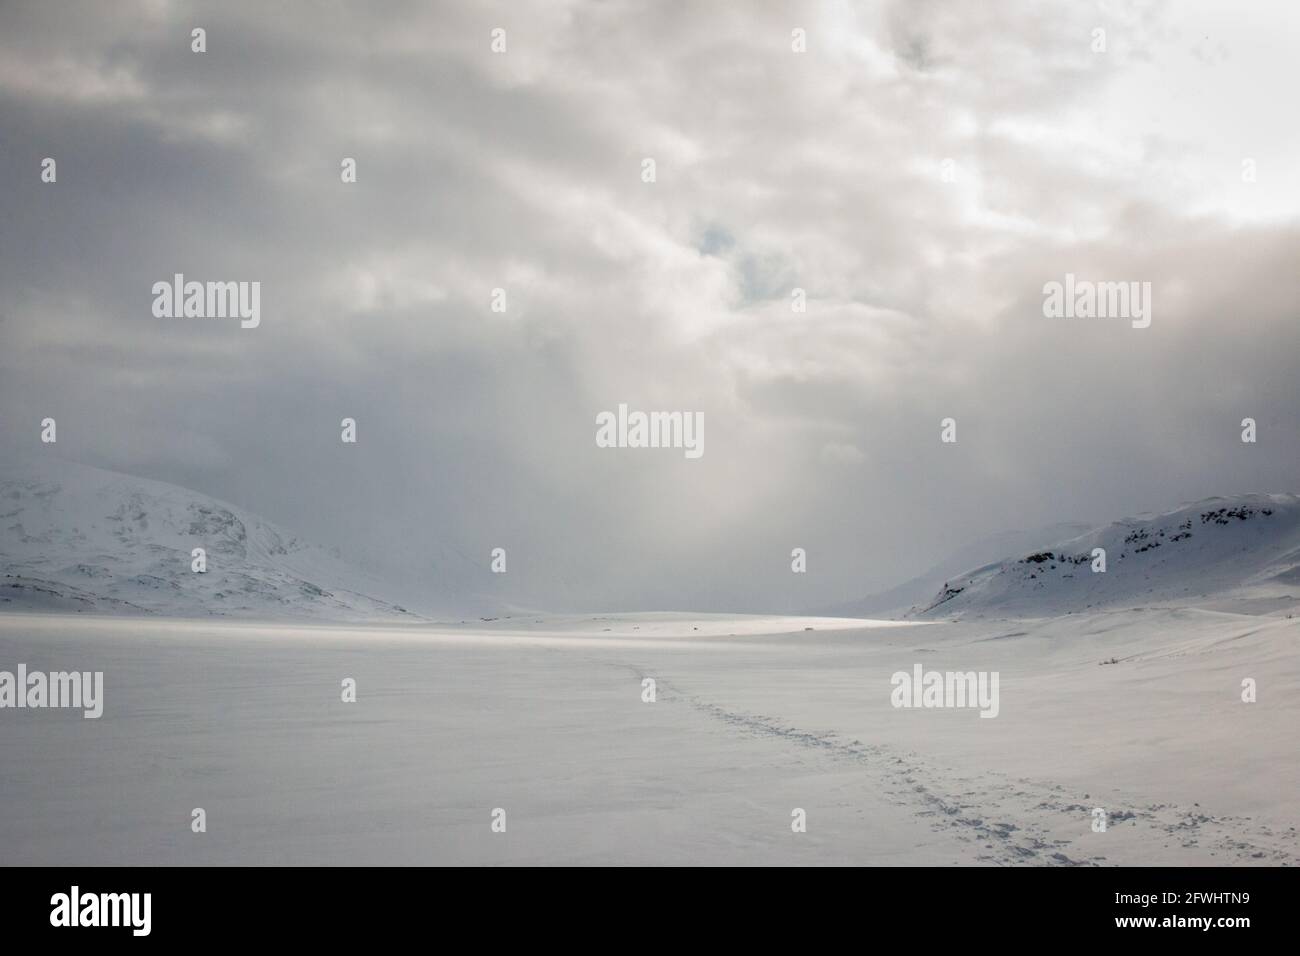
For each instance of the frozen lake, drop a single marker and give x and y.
(753, 718)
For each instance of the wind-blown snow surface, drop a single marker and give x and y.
(1231, 553)
(74, 538)
(1137, 712)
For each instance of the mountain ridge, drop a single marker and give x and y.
(78, 538)
(1241, 550)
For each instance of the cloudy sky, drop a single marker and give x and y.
(775, 170)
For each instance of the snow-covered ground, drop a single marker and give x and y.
(754, 717)
(1119, 692)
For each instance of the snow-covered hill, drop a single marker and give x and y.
(74, 538)
(916, 593)
(1238, 552)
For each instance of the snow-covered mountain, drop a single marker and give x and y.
(74, 538)
(916, 593)
(1239, 551)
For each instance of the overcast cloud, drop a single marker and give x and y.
(775, 170)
